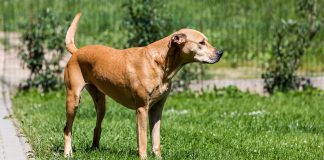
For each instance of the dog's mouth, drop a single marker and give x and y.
(219, 55)
(209, 62)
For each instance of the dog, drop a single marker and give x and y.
(138, 78)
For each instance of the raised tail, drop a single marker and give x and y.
(69, 39)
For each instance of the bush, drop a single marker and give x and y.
(291, 39)
(41, 51)
(145, 22)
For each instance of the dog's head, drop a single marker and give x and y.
(194, 47)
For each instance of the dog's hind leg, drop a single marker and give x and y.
(74, 83)
(99, 100)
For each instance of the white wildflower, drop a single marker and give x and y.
(256, 113)
(178, 112)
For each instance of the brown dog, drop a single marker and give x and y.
(138, 78)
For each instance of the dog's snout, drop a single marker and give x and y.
(219, 52)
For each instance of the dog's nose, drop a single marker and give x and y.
(219, 52)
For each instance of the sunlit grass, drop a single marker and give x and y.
(225, 124)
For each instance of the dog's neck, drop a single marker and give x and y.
(167, 57)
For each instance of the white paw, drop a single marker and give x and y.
(143, 157)
(68, 154)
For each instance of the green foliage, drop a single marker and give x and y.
(213, 125)
(41, 51)
(145, 22)
(242, 28)
(291, 39)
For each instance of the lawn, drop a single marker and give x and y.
(224, 124)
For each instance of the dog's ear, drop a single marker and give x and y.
(178, 38)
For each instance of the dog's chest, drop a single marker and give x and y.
(159, 92)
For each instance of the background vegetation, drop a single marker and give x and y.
(244, 29)
(291, 39)
(42, 50)
(146, 21)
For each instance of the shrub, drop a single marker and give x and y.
(291, 39)
(145, 22)
(41, 51)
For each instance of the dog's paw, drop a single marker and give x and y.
(68, 155)
(158, 157)
(94, 147)
(143, 157)
(157, 153)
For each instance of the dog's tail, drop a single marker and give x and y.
(69, 39)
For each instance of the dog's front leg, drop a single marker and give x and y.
(155, 114)
(141, 120)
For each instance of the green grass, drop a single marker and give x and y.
(218, 125)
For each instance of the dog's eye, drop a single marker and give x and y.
(202, 42)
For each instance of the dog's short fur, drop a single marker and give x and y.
(138, 78)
